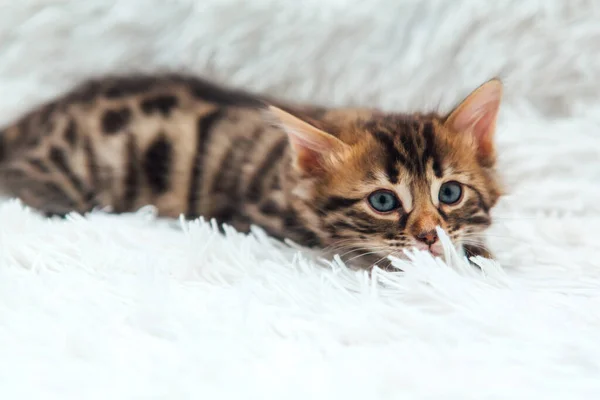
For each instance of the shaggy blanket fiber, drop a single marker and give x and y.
(131, 307)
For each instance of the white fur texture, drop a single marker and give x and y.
(127, 307)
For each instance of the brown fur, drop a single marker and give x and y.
(191, 148)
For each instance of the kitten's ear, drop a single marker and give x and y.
(477, 115)
(311, 146)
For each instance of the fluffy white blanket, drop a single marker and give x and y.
(127, 307)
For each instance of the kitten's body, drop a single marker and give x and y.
(190, 148)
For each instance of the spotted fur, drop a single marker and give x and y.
(304, 173)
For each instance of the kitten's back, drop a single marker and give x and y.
(125, 142)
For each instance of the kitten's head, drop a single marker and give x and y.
(377, 183)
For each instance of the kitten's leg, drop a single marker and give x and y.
(477, 250)
(39, 186)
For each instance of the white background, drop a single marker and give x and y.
(126, 307)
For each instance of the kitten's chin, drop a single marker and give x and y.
(382, 260)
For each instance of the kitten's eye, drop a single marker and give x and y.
(383, 201)
(450, 192)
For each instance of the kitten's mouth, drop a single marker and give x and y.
(436, 249)
(436, 252)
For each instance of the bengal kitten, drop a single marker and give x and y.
(358, 182)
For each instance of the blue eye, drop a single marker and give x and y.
(383, 201)
(450, 192)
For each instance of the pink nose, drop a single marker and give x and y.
(428, 238)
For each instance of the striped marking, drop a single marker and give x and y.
(270, 208)
(407, 139)
(335, 203)
(479, 220)
(209, 92)
(113, 121)
(480, 200)
(393, 156)
(92, 164)
(204, 128)
(293, 224)
(38, 165)
(402, 221)
(59, 159)
(122, 87)
(223, 182)
(157, 163)
(71, 134)
(442, 214)
(254, 191)
(159, 104)
(430, 150)
(132, 175)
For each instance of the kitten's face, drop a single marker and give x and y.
(392, 179)
(403, 178)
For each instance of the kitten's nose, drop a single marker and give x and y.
(429, 237)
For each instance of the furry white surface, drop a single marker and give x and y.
(129, 307)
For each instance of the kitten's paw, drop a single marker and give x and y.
(50, 215)
(474, 251)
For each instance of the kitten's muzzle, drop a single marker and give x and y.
(424, 232)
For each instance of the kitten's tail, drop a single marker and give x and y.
(24, 133)
(22, 166)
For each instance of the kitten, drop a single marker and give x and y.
(359, 182)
